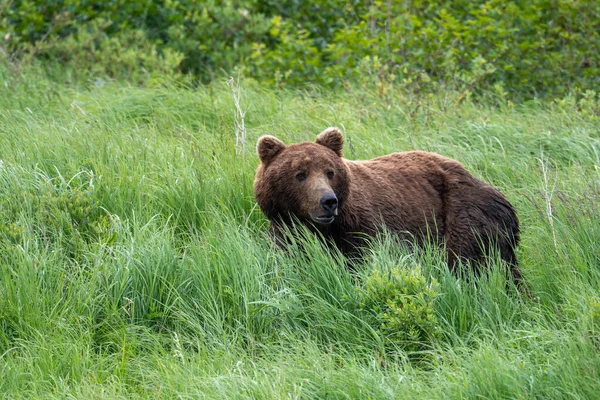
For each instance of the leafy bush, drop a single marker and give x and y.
(401, 301)
(130, 54)
(121, 38)
(522, 48)
(528, 47)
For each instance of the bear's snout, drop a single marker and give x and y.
(329, 202)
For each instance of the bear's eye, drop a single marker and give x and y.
(301, 176)
(330, 175)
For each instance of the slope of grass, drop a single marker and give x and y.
(135, 264)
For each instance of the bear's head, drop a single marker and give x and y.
(308, 181)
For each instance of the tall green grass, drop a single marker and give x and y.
(135, 264)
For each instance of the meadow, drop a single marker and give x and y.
(134, 262)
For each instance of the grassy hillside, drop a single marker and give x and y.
(135, 263)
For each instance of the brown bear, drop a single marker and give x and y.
(414, 194)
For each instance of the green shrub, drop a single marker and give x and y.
(401, 300)
(131, 54)
(122, 38)
(530, 48)
(521, 48)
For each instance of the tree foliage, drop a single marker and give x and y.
(522, 48)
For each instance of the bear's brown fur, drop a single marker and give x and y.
(412, 194)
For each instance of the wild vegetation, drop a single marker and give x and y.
(134, 262)
(521, 49)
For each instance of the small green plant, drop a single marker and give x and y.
(69, 213)
(402, 302)
(11, 232)
(10, 236)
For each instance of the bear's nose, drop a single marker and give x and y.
(329, 202)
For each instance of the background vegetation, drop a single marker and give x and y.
(134, 262)
(524, 49)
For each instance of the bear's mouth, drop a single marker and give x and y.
(324, 220)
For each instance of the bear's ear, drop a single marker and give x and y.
(331, 138)
(268, 147)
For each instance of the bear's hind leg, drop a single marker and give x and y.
(478, 219)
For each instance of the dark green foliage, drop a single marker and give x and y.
(530, 47)
(520, 48)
